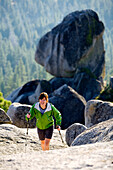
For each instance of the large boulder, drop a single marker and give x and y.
(17, 114)
(29, 92)
(4, 118)
(43, 86)
(70, 104)
(21, 94)
(73, 131)
(57, 82)
(14, 94)
(82, 83)
(73, 44)
(97, 111)
(102, 132)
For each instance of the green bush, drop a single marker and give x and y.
(4, 104)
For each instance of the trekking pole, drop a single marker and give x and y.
(61, 137)
(27, 134)
(27, 126)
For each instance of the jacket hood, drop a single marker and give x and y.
(48, 108)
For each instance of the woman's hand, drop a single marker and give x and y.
(28, 115)
(58, 127)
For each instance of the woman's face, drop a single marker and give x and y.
(43, 102)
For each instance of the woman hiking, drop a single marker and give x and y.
(44, 112)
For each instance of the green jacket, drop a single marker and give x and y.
(46, 120)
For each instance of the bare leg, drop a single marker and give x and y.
(46, 145)
(43, 144)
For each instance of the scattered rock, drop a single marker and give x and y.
(73, 131)
(97, 111)
(101, 132)
(4, 118)
(17, 114)
(70, 104)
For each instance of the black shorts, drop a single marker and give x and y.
(46, 133)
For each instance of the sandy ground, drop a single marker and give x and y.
(91, 156)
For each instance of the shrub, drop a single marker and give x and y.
(4, 104)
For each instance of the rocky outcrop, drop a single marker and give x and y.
(102, 132)
(70, 104)
(17, 114)
(73, 44)
(14, 140)
(97, 111)
(73, 131)
(4, 118)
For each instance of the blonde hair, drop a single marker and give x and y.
(42, 95)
